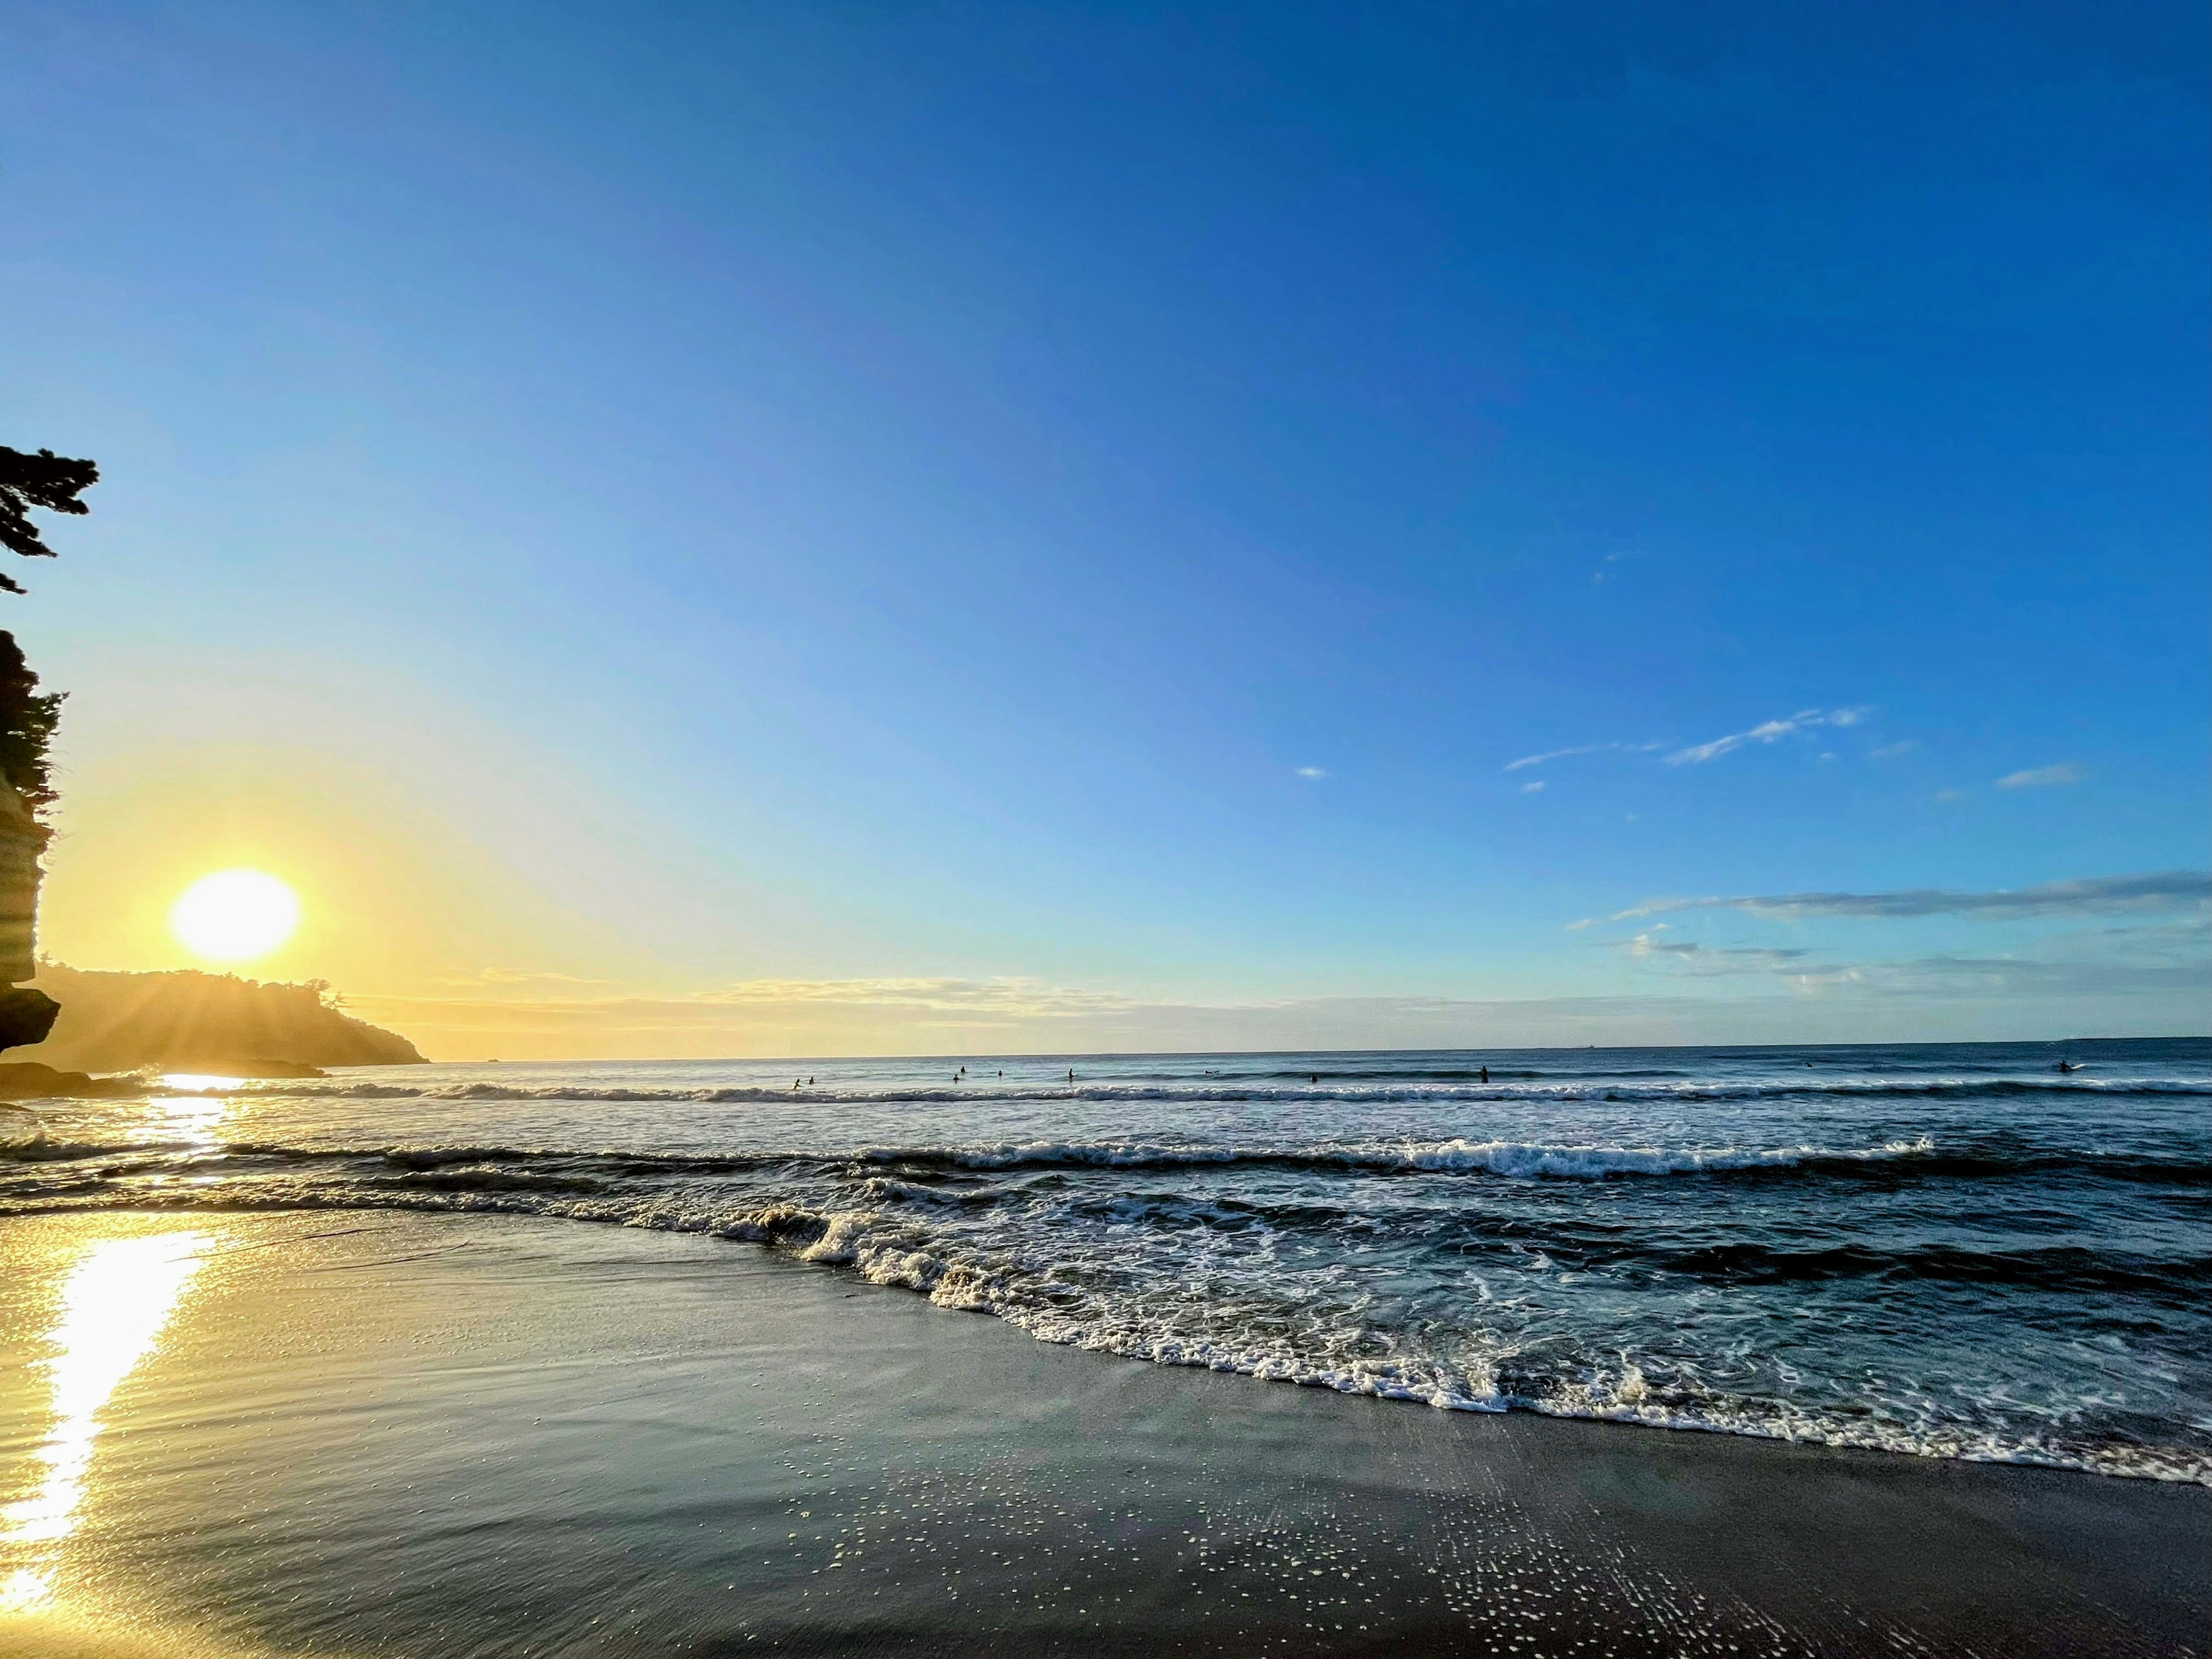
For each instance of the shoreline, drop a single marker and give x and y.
(821, 1255)
(494, 1434)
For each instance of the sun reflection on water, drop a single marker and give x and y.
(117, 1298)
(192, 1120)
(199, 1082)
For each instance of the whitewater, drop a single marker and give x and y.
(1947, 1251)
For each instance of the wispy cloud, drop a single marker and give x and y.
(2000, 976)
(2043, 777)
(1020, 998)
(486, 976)
(1699, 994)
(1531, 788)
(1312, 772)
(925, 1002)
(1580, 749)
(1805, 719)
(1706, 959)
(1892, 751)
(2096, 962)
(2171, 890)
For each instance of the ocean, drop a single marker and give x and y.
(1954, 1250)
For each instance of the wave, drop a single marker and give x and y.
(892, 1251)
(888, 1210)
(2064, 1268)
(39, 1149)
(1921, 1158)
(1521, 1160)
(1525, 1160)
(409, 1180)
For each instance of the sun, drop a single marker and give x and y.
(234, 916)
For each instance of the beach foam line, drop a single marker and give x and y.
(893, 1252)
(887, 1214)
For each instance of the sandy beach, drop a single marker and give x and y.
(410, 1434)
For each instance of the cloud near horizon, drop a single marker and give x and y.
(2171, 960)
(2098, 896)
(2001, 976)
(934, 1016)
(1808, 1002)
(1707, 959)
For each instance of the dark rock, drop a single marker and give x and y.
(26, 1016)
(27, 1079)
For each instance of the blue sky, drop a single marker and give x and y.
(626, 505)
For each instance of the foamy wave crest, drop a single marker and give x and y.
(1521, 1160)
(1063, 1286)
(1526, 1161)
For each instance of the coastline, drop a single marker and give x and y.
(502, 1435)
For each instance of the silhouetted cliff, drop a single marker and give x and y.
(189, 1021)
(26, 1016)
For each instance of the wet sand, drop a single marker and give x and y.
(365, 1433)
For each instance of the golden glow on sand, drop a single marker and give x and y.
(236, 915)
(113, 1309)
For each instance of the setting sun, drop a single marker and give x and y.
(236, 915)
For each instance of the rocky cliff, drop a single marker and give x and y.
(186, 1021)
(26, 1016)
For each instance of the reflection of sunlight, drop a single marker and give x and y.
(112, 1310)
(194, 1118)
(198, 1080)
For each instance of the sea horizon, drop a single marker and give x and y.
(1211, 1053)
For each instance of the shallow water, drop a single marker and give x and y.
(1954, 1250)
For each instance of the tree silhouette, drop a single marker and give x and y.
(44, 480)
(26, 726)
(51, 483)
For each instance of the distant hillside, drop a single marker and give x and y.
(188, 1021)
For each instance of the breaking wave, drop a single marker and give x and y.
(1519, 1160)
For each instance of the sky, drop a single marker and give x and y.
(853, 528)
